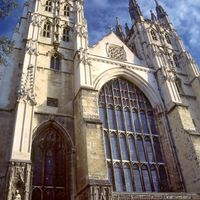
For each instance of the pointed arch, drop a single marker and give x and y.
(41, 127)
(139, 147)
(47, 28)
(135, 78)
(53, 162)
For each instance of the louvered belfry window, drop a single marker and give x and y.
(131, 139)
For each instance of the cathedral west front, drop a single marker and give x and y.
(118, 120)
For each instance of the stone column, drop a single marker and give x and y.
(20, 177)
(92, 178)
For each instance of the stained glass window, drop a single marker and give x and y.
(50, 168)
(131, 138)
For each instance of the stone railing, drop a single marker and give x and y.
(156, 196)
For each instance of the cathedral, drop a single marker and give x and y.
(118, 120)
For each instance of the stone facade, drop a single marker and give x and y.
(53, 82)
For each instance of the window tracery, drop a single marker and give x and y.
(132, 144)
(116, 52)
(153, 35)
(66, 10)
(48, 6)
(66, 34)
(55, 62)
(47, 30)
(49, 159)
(167, 37)
(176, 61)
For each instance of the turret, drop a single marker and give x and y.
(118, 30)
(162, 15)
(135, 12)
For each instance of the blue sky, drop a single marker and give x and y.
(100, 14)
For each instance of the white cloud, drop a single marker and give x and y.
(184, 14)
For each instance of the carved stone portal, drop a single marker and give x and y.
(19, 183)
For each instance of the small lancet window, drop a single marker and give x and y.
(66, 34)
(175, 58)
(47, 30)
(48, 6)
(66, 10)
(153, 35)
(167, 37)
(55, 62)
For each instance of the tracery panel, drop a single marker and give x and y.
(131, 139)
(51, 171)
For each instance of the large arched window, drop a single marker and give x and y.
(51, 166)
(131, 139)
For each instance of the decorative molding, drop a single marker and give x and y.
(121, 64)
(32, 47)
(116, 52)
(26, 90)
(19, 184)
(36, 19)
(96, 190)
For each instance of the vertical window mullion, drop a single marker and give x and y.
(116, 121)
(109, 134)
(130, 109)
(139, 113)
(118, 134)
(134, 148)
(122, 106)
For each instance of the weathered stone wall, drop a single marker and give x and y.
(186, 139)
(6, 138)
(91, 164)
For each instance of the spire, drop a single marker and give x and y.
(134, 10)
(161, 13)
(153, 17)
(118, 30)
(156, 2)
(127, 29)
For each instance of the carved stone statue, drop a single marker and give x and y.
(17, 195)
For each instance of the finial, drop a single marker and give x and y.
(156, 2)
(153, 16)
(111, 28)
(117, 21)
(134, 10)
(127, 29)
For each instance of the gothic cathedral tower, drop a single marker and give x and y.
(118, 120)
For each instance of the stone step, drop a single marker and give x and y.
(156, 196)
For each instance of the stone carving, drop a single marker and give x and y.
(116, 52)
(97, 190)
(32, 47)
(36, 20)
(19, 181)
(26, 90)
(17, 195)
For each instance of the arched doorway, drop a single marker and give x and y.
(52, 164)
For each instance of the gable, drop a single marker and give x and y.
(113, 48)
